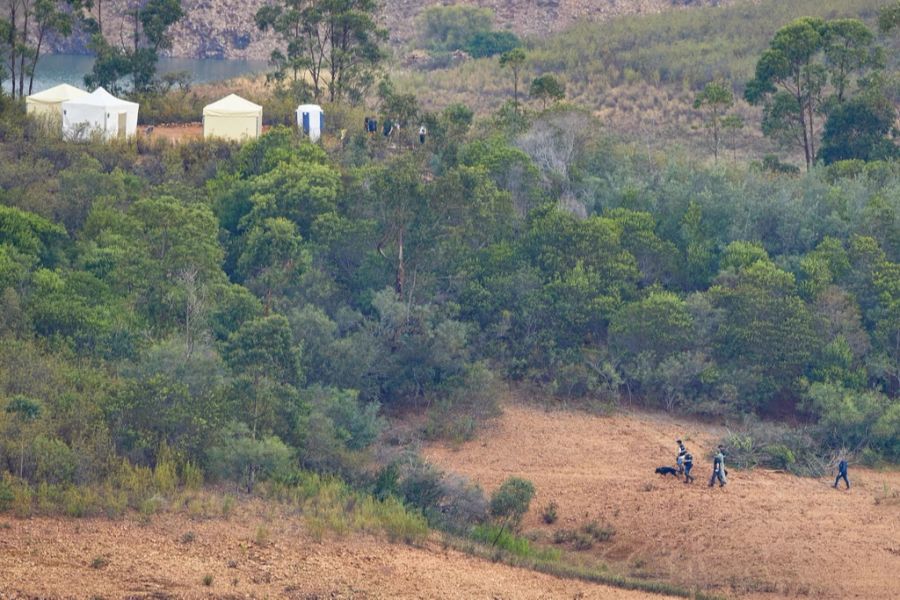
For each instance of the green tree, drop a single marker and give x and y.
(715, 99)
(660, 324)
(889, 17)
(451, 28)
(28, 25)
(490, 43)
(137, 60)
(732, 124)
(547, 87)
(243, 458)
(849, 48)
(335, 41)
(510, 503)
(25, 412)
(767, 329)
(860, 128)
(514, 60)
(261, 354)
(790, 80)
(273, 259)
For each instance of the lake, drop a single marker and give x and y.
(69, 68)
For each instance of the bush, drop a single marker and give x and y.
(549, 513)
(421, 486)
(245, 460)
(56, 463)
(463, 504)
(7, 495)
(775, 447)
(506, 540)
(511, 501)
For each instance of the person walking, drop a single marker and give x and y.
(688, 465)
(842, 473)
(718, 468)
(680, 459)
(422, 133)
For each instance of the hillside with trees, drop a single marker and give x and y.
(290, 320)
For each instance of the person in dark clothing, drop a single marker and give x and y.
(680, 459)
(388, 127)
(842, 473)
(422, 133)
(366, 125)
(718, 468)
(688, 465)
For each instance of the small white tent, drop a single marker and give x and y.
(311, 119)
(99, 113)
(49, 102)
(232, 118)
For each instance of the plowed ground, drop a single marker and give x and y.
(765, 535)
(99, 558)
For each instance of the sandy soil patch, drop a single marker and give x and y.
(52, 558)
(766, 535)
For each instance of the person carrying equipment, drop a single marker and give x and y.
(842, 473)
(680, 459)
(688, 465)
(718, 468)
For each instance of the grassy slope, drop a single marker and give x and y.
(639, 73)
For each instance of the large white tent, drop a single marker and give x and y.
(49, 102)
(232, 118)
(311, 120)
(99, 113)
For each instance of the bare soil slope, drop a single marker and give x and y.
(64, 558)
(766, 534)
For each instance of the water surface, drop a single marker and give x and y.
(70, 68)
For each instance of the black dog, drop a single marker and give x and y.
(667, 471)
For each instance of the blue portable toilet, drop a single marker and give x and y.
(311, 118)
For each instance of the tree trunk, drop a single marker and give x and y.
(715, 135)
(516, 90)
(36, 57)
(802, 107)
(812, 135)
(23, 53)
(401, 269)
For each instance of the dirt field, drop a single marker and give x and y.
(175, 133)
(63, 558)
(765, 535)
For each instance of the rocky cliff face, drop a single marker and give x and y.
(225, 28)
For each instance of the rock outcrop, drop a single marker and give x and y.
(226, 29)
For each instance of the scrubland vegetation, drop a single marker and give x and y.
(640, 74)
(257, 315)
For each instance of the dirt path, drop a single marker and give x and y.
(765, 535)
(52, 558)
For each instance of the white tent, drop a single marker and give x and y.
(49, 102)
(232, 118)
(99, 113)
(311, 119)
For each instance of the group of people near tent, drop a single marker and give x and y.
(83, 115)
(390, 128)
(685, 463)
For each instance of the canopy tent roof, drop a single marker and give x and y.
(100, 97)
(232, 105)
(59, 93)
